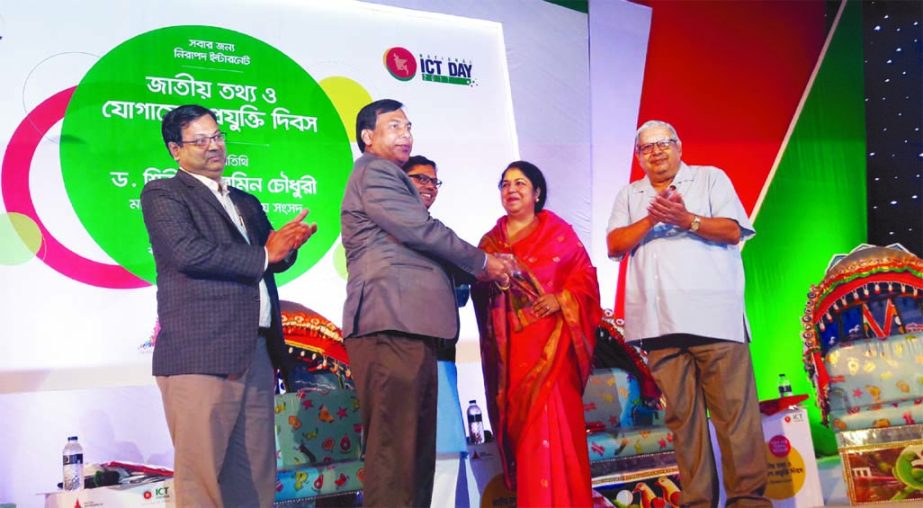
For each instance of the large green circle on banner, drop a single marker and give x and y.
(286, 142)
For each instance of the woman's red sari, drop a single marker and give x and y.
(535, 369)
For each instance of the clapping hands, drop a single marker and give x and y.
(289, 237)
(668, 207)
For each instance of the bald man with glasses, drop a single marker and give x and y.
(681, 227)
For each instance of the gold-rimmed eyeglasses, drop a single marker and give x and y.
(204, 141)
(664, 145)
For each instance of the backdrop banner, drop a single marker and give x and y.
(81, 108)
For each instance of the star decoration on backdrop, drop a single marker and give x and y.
(892, 32)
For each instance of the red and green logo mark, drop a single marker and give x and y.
(400, 63)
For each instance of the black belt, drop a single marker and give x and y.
(264, 331)
(445, 349)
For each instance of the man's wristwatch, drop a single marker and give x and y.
(696, 222)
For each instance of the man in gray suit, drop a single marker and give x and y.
(220, 326)
(399, 302)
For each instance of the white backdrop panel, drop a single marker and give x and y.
(65, 325)
(59, 334)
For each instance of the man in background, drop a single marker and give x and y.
(450, 427)
(684, 304)
(423, 173)
(399, 302)
(218, 307)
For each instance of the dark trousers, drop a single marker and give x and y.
(396, 380)
(716, 376)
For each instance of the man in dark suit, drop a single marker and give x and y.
(218, 307)
(399, 301)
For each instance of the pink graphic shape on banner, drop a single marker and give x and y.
(14, 185)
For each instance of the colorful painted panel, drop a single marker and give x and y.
(317, 427)
(882, 465)
(319, 481)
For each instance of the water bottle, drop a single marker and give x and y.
(785, 388)
(475, 423)
(73, 465)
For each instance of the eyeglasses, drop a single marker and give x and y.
(664, 145)
(204, 141)
(425, 180)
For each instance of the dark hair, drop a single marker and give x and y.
(173, 123)
(368, 116)
(535, 177)
(417, 160)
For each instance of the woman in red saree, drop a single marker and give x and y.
(537, 336)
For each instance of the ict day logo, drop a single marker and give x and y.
(157, 494)
(402, 65)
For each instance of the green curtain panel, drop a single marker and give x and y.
(815, 207)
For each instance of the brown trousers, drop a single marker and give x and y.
(222, 430)
(717, 377)
(396, 380)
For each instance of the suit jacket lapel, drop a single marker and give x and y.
(244, 212)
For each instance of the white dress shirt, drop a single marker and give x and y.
(677, 281)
